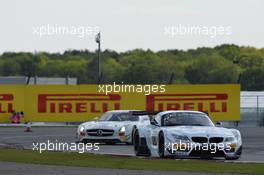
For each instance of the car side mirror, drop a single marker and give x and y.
(153, 122)
(218, 124)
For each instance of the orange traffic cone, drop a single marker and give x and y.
(28, 127)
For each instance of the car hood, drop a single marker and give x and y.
(199, 131)
(103, 125)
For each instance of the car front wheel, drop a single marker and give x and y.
(140, 145)
(237, 156)
(161, 144)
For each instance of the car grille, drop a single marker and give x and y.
(216, 139)
(100, 132)
(205, 139)
(200, 139)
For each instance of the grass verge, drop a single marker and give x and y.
(103, 161)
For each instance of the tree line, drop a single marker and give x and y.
(226, 63)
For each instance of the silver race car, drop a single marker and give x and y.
(186, 134)
(116, 126)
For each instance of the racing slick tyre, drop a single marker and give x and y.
(140, 145)
(161, 145)
(132, 135)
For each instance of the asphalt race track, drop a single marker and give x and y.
(8, 168)
(15, 137)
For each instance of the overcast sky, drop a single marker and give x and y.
(128, 24)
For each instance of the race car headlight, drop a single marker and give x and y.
(180, 137)
(122, 129)
(229, 139)
(81, 129)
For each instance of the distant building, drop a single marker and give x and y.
(37, 80)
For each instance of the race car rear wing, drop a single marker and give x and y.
(145, 112)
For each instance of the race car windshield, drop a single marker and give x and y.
(118, 117)
(185, 119)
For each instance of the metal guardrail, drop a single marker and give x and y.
(251, 111)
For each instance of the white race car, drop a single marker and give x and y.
(116, 126)
(186, 134)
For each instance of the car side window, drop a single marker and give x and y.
(133, 118)
(115, 117)
(144, 118)
(124, 117)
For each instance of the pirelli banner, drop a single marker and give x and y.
(69, 103)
